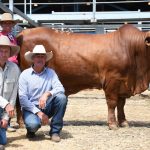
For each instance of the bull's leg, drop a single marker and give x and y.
(111, 89)
(112, 123)
(120, 113)
(19, 113)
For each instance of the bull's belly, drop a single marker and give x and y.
(73, 86)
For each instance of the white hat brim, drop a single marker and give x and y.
(28, 56)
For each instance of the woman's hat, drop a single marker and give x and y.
(4, 41)
(8, 17)
(38, 49)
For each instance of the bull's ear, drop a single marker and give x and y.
(147, 41)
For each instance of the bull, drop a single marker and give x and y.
(117, 62)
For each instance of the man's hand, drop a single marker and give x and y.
(3, 123)
(10, 110)
(44, 118)
(43, 99)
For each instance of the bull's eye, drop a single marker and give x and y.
(147, 41)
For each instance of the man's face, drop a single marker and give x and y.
(4, 54)
(39, 60)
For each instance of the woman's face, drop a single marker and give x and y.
(7, 26)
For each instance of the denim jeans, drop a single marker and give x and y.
(3, 139)
(55, 108)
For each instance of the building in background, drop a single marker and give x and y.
(89, 16)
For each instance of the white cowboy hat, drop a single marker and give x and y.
(8, 17)
(4, 41)
(38, 49)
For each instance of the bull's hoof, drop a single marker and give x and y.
(124, 124)
(113, 127)
(21, 125)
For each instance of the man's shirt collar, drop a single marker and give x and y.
(34, 72)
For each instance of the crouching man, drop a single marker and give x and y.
(41, 95)
(9, 75)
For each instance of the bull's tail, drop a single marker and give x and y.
(19, 38)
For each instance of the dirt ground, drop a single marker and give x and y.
(85, 127)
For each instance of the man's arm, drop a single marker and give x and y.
(12, 99)
(23, 96)
(7, 106)
(3, 102)
(10, 110)
(57, 87)
(43, 99)
(15, 88)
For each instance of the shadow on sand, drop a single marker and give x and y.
(104, 123)
(40, 136)
(44, 135)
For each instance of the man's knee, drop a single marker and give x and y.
(62, 99)
(33, 126)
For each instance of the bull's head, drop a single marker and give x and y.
(147, 39)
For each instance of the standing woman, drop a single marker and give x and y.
(7, 23)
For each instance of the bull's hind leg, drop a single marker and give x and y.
(120, 113)
(19, 113)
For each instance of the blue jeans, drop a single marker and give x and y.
(3, 139)
(55, 108)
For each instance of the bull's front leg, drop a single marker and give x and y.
(120, 113)
(111, 89)
(112, 104)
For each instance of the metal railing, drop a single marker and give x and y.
(94, 3)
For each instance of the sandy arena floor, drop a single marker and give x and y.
(85, 127)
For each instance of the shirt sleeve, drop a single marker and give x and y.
(15, 89)
(3, 105)
(13, 95)
(3, 102)
(23, 95)
(57, 87)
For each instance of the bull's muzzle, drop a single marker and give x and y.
(147, 41)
